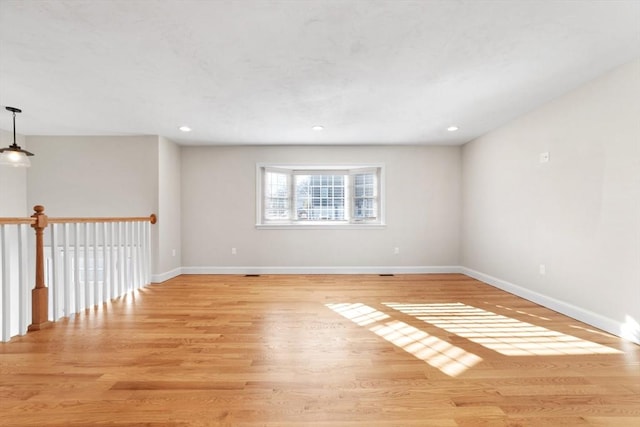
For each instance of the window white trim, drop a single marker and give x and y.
(348, 170)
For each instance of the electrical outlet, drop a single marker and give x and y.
(543, 269)
(396, 251)
(234, 251)
(173, 252)
(544, 157)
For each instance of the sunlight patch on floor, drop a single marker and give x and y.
(358, 313)
(503, 334)
(522, 312)
(440, 354)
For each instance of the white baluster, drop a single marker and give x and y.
(135, 259)
(67, 272)
(56, 267)
(114, 254)
(148, 245)
(134, 255)
(143, 254)
(96, 287)
(77, 297)
(24, 302)
(107, 272)
(121, 261)
(6, 284)
(126, 258)
(86, 284)
(132, 251)
(142, 265)
(138, 259)
(148, 252)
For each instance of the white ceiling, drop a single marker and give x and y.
(265, 72)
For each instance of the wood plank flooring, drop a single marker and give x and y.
(409, 350)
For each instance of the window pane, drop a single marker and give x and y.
(276, 201)
(320, 197)
(365, 209)
(365, 200)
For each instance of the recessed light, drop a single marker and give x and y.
(452, 128)
(185, 128)
(318, 128)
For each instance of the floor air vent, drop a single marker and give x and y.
(386, 275)
(251, 275)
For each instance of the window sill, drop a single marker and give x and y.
(323, 226)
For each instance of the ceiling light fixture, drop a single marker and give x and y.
(317, 128)
(452, 128)
(13, 155)
(185, 128)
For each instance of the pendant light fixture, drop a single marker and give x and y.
(13, 155)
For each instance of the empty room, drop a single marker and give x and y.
(320, 213)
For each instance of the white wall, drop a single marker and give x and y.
(13, 182)
(94, 175)
(579, 214)
(219, 196)
(89, 176)
(169, 238)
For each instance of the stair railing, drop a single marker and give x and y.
(85, 262)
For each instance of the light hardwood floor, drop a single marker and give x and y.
(410, 350)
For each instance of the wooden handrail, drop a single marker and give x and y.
(17, 220)
(151, 218)
(62, 220)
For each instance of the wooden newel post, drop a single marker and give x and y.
(40, 294)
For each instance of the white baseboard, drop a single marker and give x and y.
(606, 324)
(322, 270)
(162, 277)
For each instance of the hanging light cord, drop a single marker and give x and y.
(15, 147)
(14, 128)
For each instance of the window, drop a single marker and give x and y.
(276, 191)
(319, 195)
